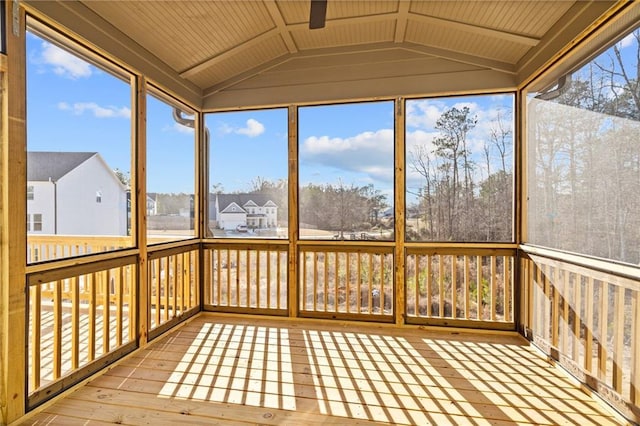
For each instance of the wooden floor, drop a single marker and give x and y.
(230, 370)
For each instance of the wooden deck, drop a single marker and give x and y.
(239, 370)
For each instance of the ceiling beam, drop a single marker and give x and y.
(402, 20)
(202, 66)
(327, 51)
(476, 29)
(503, 67)
(274, 11)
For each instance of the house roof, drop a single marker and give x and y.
(45, 166)
(242, 200)
(224, 200)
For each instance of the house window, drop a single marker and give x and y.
(30, 192)
(28, 222)
(98, 196)
(37, 222)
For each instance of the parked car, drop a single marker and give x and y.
(242, 228)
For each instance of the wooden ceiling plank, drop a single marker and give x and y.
(274, 32)
(475, 29)
(402, 19)
(276, 15)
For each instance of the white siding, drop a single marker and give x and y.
(42, 203)
(78, 211)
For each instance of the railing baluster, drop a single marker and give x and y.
(106, 317)
(454, 286)
(75, 322)
(336, 285)
(91, 353)
(359, 283)
(565, 310)
(577, 288)
(618, 337)
(479, 287)
(588, 332)
(555, 308)
(176, 278)
(506, 285)
(494, 289)
(604, 322)
(441, 288)
(36, 335)
(467, 288)
(119, 306)
(370, 288)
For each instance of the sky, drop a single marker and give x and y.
(74, 106)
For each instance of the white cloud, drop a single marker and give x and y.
(62, 62)
(369, 153)
(98, 111)
(252, 129)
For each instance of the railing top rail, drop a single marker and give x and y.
(611, 269)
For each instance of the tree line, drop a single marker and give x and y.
(584, 168)
(464, 195)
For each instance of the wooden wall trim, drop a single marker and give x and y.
(13, 158)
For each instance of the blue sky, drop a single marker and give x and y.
(74, 106)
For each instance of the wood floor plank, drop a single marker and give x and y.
(237, 370)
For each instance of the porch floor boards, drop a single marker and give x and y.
(239, 370)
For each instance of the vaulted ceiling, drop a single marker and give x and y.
(227, 54)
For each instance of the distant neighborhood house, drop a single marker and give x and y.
(255, 211)
(74, 193)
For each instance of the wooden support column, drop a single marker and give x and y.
(399, 207)
(520, 300)
(292, 276)
(200, 204)
(139, 210)
(13, 160)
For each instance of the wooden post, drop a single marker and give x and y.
(292, 278)
(13, 157)
(139, 208)
(399, 204)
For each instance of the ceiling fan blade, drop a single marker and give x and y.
(318, 14)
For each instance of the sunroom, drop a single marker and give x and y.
(324, 211)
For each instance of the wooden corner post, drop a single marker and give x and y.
(399, 203)
(292, 275)
(13, 160)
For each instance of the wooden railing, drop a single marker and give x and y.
(78, 315)
(42, 248)
(458, 286)
(82, 312)
(587, 319)
(246, 277)
(173, 276)
(50, 247)
(349, 281)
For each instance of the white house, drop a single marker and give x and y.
(256, 211)
(74, 193)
